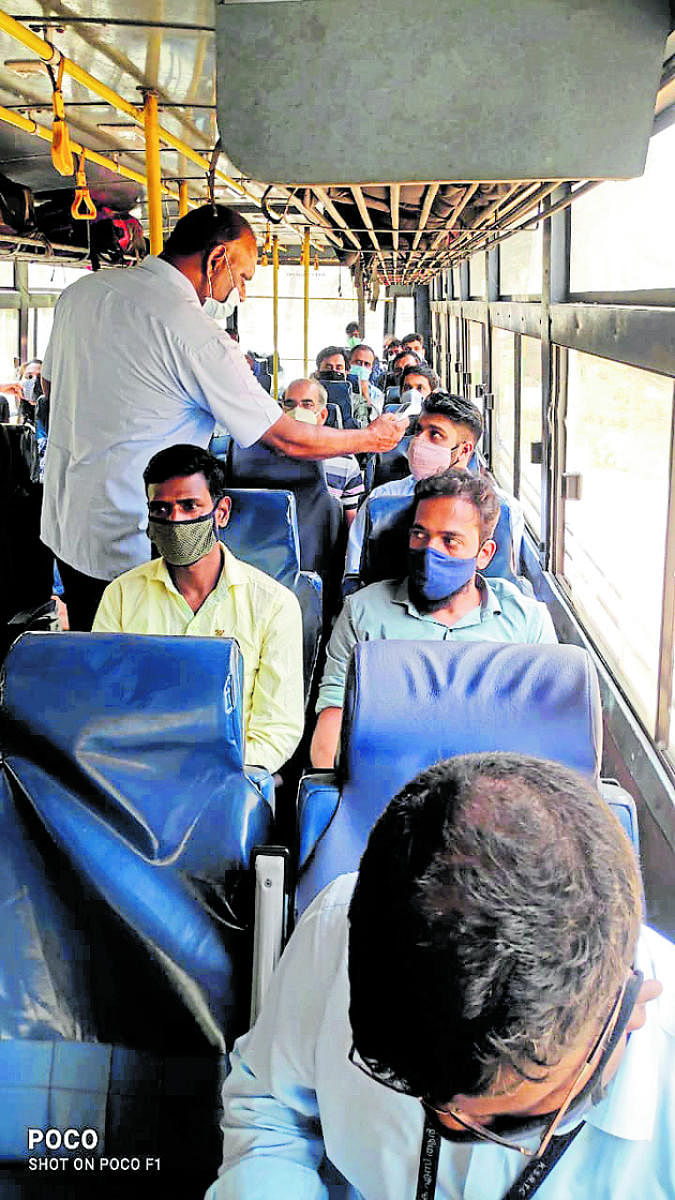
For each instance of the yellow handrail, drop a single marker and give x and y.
(153, 171)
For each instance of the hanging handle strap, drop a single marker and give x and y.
(82, 196)
(62, 155)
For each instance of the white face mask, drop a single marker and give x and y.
(412, 399)
(220, 310)
(305, 415)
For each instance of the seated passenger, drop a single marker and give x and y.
(441, 597)
(307, 400)
(414, 341)
(353, 334)
(447, 431)
(331, 362)
(198, 588)
(481, 1009)
(361, 362)
(405, 358)
(417, 382)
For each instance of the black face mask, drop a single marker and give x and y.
(331, 376)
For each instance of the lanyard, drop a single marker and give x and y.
(525, 1186)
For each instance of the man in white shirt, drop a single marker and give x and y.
(134, 365)
(479, 1000)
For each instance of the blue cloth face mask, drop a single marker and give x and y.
(435, 577)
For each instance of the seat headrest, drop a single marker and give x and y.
(409, 704)
(258, 464)
(148, 730)
(263, 531)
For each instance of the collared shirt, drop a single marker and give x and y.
(344, 479)
(385, 610)
(406, 487)
(135, 365)
(293, 1097)
(264, 617)
(375, 400)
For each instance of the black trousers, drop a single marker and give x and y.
(82, 595)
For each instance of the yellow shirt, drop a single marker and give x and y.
(264, 617)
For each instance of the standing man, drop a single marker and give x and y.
(135, 365)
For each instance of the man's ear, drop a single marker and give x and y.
(486, 553)
(223, 509)
(322, 415)
(216, 259)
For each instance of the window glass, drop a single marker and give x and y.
(615, 535)
(51, 277)
(477, 278)
(622, 232)
(520, 264)
(405, 316)
(455, 357)
(530, 431)
(45, 320)
(456, 283)
(9, 343)
(503, 386)
(475, 360)
(443, 349)
(6, 274)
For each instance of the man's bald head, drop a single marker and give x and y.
(204, 228)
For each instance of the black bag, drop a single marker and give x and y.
(17, 211)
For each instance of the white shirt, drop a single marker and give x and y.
(135, 366)
(293, 1096)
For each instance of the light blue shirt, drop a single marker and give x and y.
(406, 487)
(293, 1097)
(135, 365)
(385, 610)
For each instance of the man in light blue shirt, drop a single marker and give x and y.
(442, 598)
(481, 994)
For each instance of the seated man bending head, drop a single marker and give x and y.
(467, 1001)
(198, 588)
(307, 400)
(442, 597)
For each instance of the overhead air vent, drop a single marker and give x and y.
(335, 91)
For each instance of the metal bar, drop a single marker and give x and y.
(559, 421)
(182, 198)
(665, 685)
(305, 264)
(21, 285)
(275, 314)
(394, 202)
(153, 172)
(325, 199)
(432, 191)
(41, 19)
(366, 218)
(517, 381)
(547, 402)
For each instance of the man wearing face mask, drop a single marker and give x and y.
(467, 1000)
(446, 434)
(361, 361)
(135, 364)
(198, 588)
(306, 400)
(443, 596)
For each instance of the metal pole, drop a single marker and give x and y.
(153, 172)
(275, 313)
(182, 198)
(305, 263)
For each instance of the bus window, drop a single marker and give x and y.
(477, 277)
(503, 386)
(618, 440)
(622, 232)
(530, 432)
(475, 332)
(6, 274)
(9, 343)
(520, 264)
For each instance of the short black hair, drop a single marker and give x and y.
(456, 409)
(496, 912)
(425, 371)
(204, 228)
(457, 483)
(352, 327)
(361, 346)
(412, 337)
(328, 352)
(402, 354)
(184, 459)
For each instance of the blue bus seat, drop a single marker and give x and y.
(393, 464)
(27, 564)
(334, 418)
(319, 513)
(263, 532)
(340, 394)
(391, 408)
(392, 394)
(265, 380)
(127, 822)
(410, 704)
(220, 444)
(385, 542)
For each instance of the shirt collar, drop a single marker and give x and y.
(231, 576)
(169, 275)
(489, 604)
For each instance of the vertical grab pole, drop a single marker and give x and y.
(305, 263)
(153, 171)
(182, 198)
(275, 311)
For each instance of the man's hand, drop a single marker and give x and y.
(385, 433)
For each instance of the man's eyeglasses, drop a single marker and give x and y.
(596, 1060)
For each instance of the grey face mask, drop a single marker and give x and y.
(182, 543)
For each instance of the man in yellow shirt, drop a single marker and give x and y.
(198, 588)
